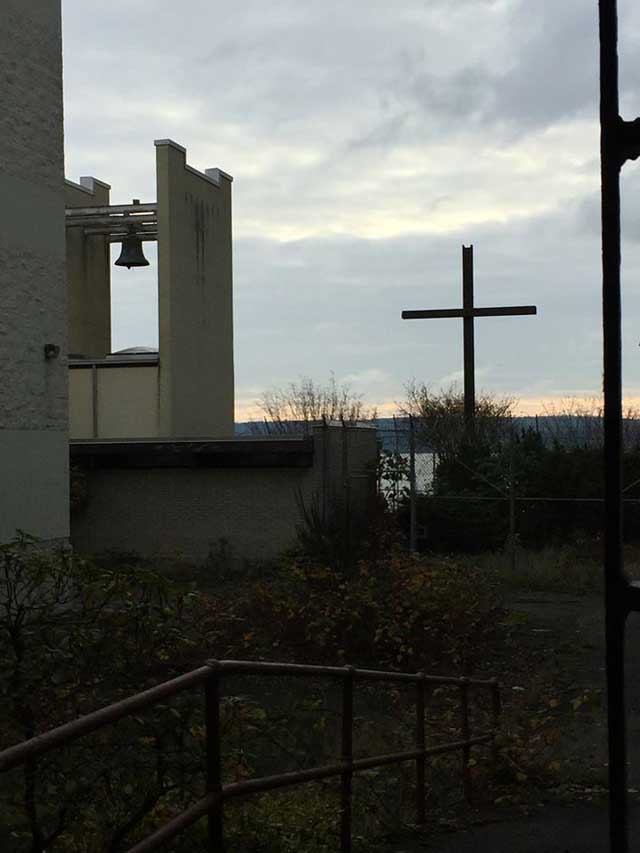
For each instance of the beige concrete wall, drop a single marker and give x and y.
(33, 389)
(188, 513)
(125, 401)
(81, 398)
(88, 275)
(195, 297)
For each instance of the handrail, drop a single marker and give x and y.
(211, 805)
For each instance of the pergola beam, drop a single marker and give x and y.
(149, 207)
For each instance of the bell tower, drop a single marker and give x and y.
(186, 389)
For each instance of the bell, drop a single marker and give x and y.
(131, 254)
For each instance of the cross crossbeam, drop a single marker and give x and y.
(468, 313)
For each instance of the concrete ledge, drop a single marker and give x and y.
(190, 453)
(87, 184)
(133, 361)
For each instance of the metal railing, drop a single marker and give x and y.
(211, 805)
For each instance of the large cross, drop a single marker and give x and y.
(469, 312)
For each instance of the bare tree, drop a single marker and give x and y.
(440, 417)
(299, 404)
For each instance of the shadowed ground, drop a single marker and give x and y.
(573, 626)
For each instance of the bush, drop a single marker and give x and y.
(75, 636)
(400, 613)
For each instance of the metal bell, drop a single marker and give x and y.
(131, 254)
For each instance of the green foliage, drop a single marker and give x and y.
(392, 476)
(399, 613)
(76, 635)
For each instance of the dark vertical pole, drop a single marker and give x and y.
(495, 719)
(346, 497)
(215, 840)
(94, 399)
(347, 758)
(611, 315)
(412, 485)
(421, 816)
(465, 731)
(469, 352)
(512, 506)
(325, 468)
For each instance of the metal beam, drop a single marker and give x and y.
(149, 207)
(115, 221)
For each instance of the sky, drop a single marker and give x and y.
(368, 142)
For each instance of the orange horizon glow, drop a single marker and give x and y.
(523, 407)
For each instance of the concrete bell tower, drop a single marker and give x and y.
(186, 389)
(195, 297)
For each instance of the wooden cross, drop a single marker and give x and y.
(469, 312)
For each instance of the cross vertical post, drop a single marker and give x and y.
(469, 347)
(468, 313)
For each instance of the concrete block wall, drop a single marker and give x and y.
(191, 513)
(33, 388)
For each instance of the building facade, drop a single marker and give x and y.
(33, 342)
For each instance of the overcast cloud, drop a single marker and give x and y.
(368, 141)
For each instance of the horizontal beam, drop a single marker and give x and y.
(144, 236)
(149, 207)
(110, 221)
(506, 311)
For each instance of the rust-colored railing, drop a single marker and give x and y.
(212, 804)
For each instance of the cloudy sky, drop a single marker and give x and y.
(368, 141)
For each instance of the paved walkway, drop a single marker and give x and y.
(557, 829)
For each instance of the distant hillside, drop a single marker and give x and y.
(569, 430)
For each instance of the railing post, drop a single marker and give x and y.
(421, 816)
(347, 759)
(466, 750)
(496, 710)
(215, 840)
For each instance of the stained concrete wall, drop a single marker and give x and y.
(190, 512)
(33, 389)
(88, 275)
(195, 297)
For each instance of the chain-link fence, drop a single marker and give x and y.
(540, 482)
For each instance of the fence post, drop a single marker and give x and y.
(325, 468)
(346, 495)
(412, 485)
(421, 816)
(495, 715)
(512, 508)
(347, 759)
(466, 750)
(215, 841)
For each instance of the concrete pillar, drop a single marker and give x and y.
(34, 451)
(88, 275)
(195, 297)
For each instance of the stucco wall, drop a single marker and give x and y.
(33, 390)
(188, 512)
